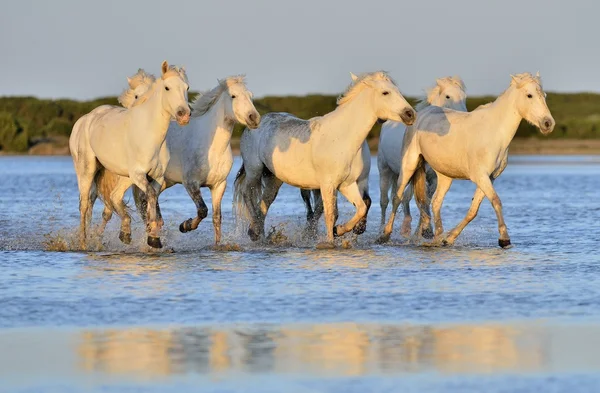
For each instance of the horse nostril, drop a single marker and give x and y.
(547, 124)
(408, 113)
(252, 117)
(180, 113)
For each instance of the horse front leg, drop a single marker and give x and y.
(352, 194)
(329, 197)
(363, 187)
(486, 185)
(144, 183)
(193, 189)
(217, 192)
(407, 221)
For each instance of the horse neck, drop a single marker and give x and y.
(349, 124)
(218, 128)
(154, 117)
(506, 117)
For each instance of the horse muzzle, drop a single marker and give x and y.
(253, 121)
(547, 125)
(408, 116)
(183, 117)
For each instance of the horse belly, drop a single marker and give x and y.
(444, 159)
(294, 166)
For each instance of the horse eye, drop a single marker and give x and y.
(447, 97)
(385, 93)
(166, 88)
(529, 96)
(135, 97)
(232, 97)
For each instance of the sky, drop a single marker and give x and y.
(84, 49)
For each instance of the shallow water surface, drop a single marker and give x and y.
(286, 317)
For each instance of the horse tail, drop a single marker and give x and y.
(419, 183)
(240, 209)
(102, 182)
(105, 182)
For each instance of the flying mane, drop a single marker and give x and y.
(360, 83)
(127, 98)
(204, 101)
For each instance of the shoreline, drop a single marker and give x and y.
(519, 146)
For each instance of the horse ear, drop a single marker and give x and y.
(164, 67)
(514, 79)
(537, 75)
(129, 80)
(354, 77)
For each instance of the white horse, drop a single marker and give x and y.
(471, 145)
(448, 92)
(105, 181)
(128, 143)
(316, 153)
(201, 154)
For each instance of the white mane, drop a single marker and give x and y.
(140, 78)
(204, 101)
(435, 91)
(362, 81)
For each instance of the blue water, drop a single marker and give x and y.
(286, 317)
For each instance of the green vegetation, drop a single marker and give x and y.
(25, 121)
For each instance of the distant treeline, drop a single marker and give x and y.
(26, 121)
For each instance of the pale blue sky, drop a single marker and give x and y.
(85, 49)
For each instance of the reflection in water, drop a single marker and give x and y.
(332, 349)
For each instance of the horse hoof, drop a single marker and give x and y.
(504, 243)
(427, 233)
(360, 228)
(383, 239)
(446, 243)
(254, 236)
(184, 226)
(125, 237)
(335, 232)
(325, 246)
(154, 242)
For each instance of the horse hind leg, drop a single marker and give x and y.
(443, 185)
(305, 194)
(385, 183)
(87, 196)
(313, 221)
(407, 221)
(106, 217)
(191, 224)
(116, 200)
